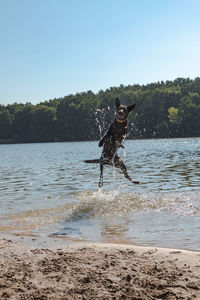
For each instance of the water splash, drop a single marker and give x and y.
(124, 153)
(101, 203)
(100, 119)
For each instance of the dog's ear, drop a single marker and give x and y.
(117, 102)
(131, 107)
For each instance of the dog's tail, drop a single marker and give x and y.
(92, 161)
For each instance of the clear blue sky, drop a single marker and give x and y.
(51, 48)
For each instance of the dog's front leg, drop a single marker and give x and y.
(102, 141)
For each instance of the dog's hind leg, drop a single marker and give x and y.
(101, 162)
(118, 163)
(101, 176)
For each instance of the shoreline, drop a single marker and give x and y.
(13, 141)
(97, 271)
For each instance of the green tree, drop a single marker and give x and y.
(22, 123)
(174, 115)
(189, 113)
(164, 109)
(43, 123)
(5, 124)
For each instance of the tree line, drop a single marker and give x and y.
(164, 109)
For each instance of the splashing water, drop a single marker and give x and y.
(100, 116)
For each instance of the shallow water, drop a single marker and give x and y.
(47, 190)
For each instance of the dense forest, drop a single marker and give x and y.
(164, 109)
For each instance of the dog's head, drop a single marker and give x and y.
(123, 111)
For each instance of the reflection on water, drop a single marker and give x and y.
(47, 190)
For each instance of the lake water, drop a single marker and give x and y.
(47, 191)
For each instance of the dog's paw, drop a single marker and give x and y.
(135, 182)
(101, 182)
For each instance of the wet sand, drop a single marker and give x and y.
(97, 271)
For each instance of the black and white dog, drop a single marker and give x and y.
(113, 140)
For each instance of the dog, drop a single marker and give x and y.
(113, 140)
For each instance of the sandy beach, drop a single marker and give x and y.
(97, 271)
